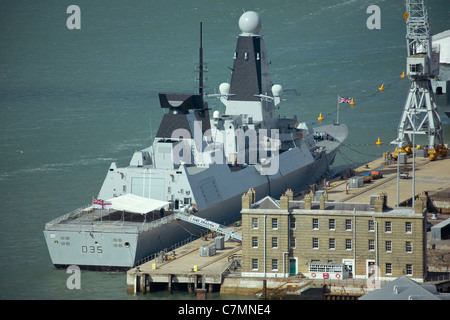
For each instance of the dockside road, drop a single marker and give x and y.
(430, 176)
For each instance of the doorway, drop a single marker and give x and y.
(292, 266)
(348, 267)
(370, 268)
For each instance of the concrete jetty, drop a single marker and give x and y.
(185, 267)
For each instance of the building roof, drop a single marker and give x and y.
(404, 288)
(442, 224)
(266, 203)
(332, 208)
(436, 230)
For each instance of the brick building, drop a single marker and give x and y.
(321, 239)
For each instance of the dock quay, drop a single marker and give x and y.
(185, 269)
(430, 176)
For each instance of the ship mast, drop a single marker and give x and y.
(420, 115)
(201, 66)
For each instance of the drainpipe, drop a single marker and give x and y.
(284, 262)
(354, 245)
(265, 216)
(376, 243)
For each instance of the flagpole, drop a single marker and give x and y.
(337, 120)
(93, 209)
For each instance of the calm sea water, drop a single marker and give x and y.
(73, 101)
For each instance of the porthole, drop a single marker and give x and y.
(127, 244)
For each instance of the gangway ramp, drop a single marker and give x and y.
(202, 222)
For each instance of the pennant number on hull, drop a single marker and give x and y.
(91, 249)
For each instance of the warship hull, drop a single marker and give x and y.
(101, 244)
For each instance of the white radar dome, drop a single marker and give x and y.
(250, 22)
(216, 114)
(277, 90)
(224, 88)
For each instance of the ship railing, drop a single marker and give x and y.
(102, 226)
(68, 216)
(171, 248)
(156, 223)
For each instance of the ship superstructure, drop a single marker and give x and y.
(200, 164)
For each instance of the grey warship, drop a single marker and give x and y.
(198, 161)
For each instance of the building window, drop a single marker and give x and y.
(315, 224)
(371, 225)
(388, 268)
(274, 223)
(388, 226)
(254, 264)
(331, 224)
(371, 245)
(274, 265)
(408, 247)
(292, 223)
(331, 244)
(348, 224)
(348, 244)
(409, 270)
(388, 246)
(315, 243)
(254, 223)
(254, 242)
(292, 242)
(274, 243)
(408, 227)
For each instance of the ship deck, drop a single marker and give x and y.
(87, 219)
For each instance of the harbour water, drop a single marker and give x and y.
(73, 101)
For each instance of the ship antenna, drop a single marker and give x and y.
(200, 80)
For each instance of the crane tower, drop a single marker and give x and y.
(420, 115)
